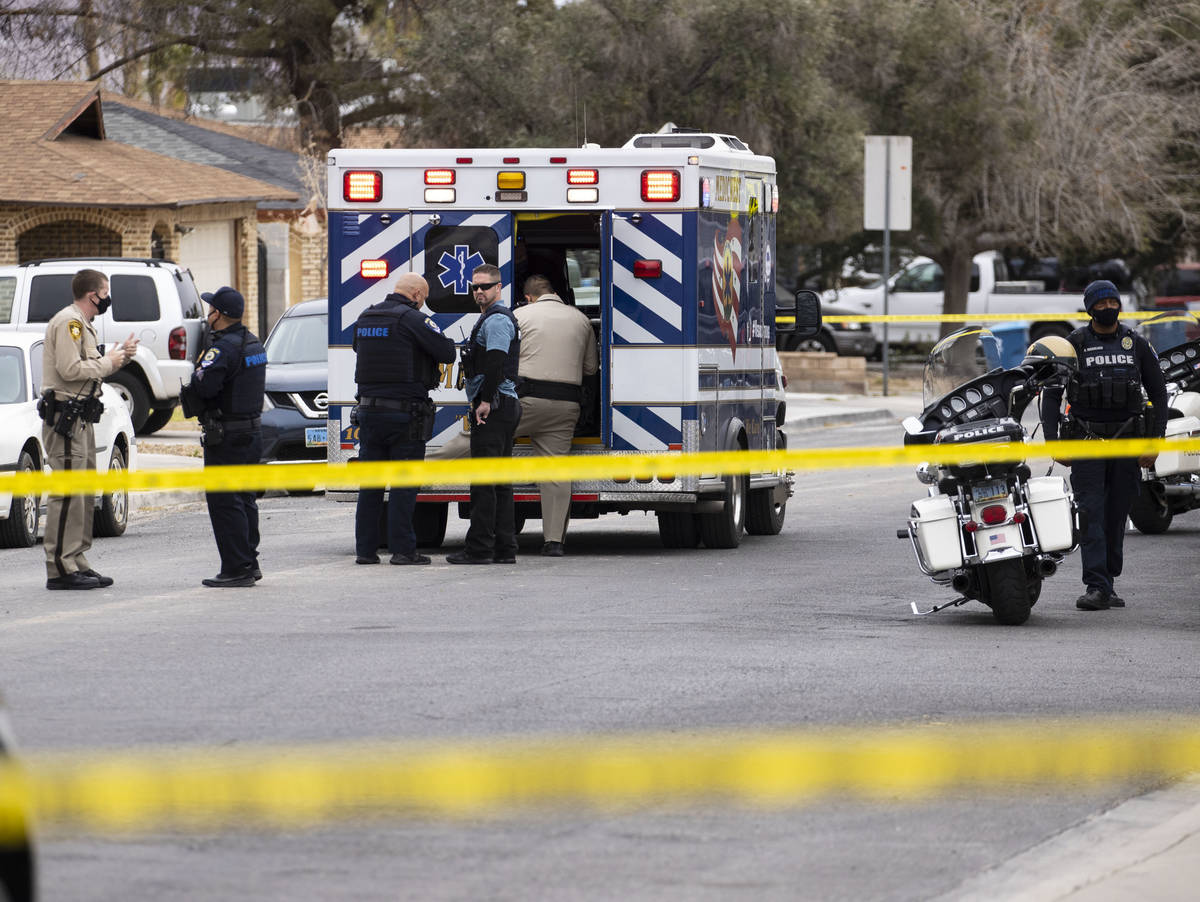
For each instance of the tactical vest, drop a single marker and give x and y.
(387, 353)
(473, 360)
(1109, 380)
(245, 382)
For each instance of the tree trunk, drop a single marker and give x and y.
(956, 272)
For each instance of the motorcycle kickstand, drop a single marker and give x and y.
(938, 607)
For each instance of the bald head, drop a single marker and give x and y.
(413, 287)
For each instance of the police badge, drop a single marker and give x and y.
(1127, 342)
(75, 327)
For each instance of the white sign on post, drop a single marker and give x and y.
(884, 152)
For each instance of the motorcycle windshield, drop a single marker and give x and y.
(958, 358)
(1169, 329)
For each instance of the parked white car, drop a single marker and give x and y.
(21, 443)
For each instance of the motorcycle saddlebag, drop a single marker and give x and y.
(1171, 462)
(937, 530)
(1050, 509)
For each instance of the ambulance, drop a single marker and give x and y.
(666, 243)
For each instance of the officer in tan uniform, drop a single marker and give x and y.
(558, 349)
(73, 369)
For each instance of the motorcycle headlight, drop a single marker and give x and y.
(927, 474)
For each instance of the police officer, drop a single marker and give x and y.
(399, 349)
(490, 359)
(73, 368)
(558, 350)
(1106, 401)
(226, 393)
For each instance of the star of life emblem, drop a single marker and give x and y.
(457, 268)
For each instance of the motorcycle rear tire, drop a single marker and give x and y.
(1008, 593)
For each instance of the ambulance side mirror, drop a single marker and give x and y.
(799, 315)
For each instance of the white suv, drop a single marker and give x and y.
(156, 300)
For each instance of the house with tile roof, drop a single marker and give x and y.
(71, 189)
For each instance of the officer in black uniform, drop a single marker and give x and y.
(399, 349)
(226, 393)
(1106, 401)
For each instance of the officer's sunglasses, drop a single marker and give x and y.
(483, 286)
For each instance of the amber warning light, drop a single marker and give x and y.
(362, 187)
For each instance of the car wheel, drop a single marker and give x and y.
(135, 396)
(111, 518)
(822, 341)
(21, 527)
(158, 418)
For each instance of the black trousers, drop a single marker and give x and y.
(1104, 491)
(234, 515)
(492, 532)
(386, 435)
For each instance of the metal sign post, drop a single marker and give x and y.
(887, 204)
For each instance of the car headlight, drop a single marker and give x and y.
(848, 327)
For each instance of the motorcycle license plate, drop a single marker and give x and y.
(314, 437)
(989, 491)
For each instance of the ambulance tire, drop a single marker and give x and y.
(678, 529)
(429, 523)
(764, 516)
(724, 528)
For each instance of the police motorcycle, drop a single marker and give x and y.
(1172, 485)
(990, 531)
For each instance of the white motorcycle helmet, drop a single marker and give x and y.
(1053, 350)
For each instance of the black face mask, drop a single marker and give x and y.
(102, 304)
(1106, 317)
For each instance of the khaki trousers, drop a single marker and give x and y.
(550, 426)
(69, 518)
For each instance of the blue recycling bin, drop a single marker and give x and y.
(1014, 341)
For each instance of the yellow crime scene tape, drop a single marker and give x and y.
(300, 787)
(980, 317)
(519, 470)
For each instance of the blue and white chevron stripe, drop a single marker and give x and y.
(647, 311)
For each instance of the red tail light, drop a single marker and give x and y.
(1018, 517)
(361, 186)
(660, 185)
(993, 514)
(971, 526)
(177, 343)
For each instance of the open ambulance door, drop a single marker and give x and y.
(446, 248)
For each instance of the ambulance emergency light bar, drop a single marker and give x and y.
(366, 186)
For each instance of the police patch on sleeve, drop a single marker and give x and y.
(432, 325)
(209, 356)
(75, 327)
(1127, 342)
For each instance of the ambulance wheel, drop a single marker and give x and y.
(724, 528)
(429, 523)
(764, 515)
(1150, 512)
(678, 529)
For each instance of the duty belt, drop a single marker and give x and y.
(392, 404)
(1106, 429)
(551, 391)
(239, 423)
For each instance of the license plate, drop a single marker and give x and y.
(989, 491)
(314, 437)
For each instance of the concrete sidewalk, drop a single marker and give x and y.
(1147, 849)
(817, 411)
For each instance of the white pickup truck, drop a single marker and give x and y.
(918, 289)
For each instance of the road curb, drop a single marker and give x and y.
(821, 420)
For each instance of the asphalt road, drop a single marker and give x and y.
(810, 628)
